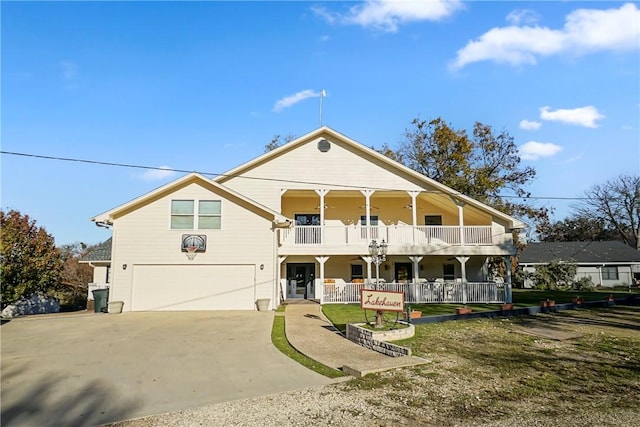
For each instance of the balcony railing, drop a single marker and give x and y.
(421, 293)
(393, 235)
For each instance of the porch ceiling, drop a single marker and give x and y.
(428, 202)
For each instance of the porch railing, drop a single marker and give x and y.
(393, 235)
(421, 293)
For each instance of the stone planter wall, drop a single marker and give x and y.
(376, 340)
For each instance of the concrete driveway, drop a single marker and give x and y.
(88, 369)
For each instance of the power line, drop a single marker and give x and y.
(289, 181)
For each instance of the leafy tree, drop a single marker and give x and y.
(275, 142)
(481, 166)
(75, 276)
(617, 204)
(74, 273)
(577, 229)
(30, 262)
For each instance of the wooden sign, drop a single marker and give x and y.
(371, 299)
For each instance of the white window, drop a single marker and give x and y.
(196, 215)
(610, 273)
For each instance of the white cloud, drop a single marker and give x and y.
(529, 125)
(583, 116)
(290, 100)
(69, 70)
(584, 31)
(533, 150)
(522, 16)
(158, 174)
(386, 15)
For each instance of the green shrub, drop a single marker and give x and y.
(555, 276)
(584, 284)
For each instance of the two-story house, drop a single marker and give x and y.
(297, 222)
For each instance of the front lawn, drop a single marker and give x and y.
(341, 314)
(498, 372)
(488, 372)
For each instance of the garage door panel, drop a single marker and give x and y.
(193, 287)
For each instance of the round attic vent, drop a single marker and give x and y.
(324, 145)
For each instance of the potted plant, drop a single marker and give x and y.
(506, 307)
(578, 300)
(463, 310)
(415, 314)
(547, 303)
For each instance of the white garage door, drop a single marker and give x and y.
(193, 287)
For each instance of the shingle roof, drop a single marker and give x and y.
(581, 252)
(102, 252)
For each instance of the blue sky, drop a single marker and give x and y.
(205, 85)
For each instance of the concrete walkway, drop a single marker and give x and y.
(313, 335)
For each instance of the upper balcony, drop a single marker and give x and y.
(395, 235)
(341, 221)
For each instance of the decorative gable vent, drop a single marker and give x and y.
(324, 145)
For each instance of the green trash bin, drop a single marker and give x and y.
(100, 299)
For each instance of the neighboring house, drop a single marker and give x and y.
(606, 263)
(287, 222)
(100, 259)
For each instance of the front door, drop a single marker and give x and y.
(404, 272)
(300, 280)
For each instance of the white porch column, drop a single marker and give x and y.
(283, 292)
(507, 285)
(416, 267)
(319, 289)
(463, 272)
(414, 212)
(368, 260)
(367, 203)
(322, 193)
(460, 204)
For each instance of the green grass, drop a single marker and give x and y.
(528, 297)
(341, 314)
(279, 339)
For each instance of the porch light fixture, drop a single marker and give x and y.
(378, 253)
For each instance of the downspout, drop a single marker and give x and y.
(600, 274)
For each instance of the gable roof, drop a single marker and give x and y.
(108, 216)
(609, 252)
(365, 152)
(101, 252)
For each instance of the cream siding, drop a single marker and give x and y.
(144, 237)
(306, 168)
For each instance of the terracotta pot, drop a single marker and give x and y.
(578, 301)
(463, 310)
(416, 314)
(548, 303)
(506, 307)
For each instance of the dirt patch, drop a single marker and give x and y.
(552, 334)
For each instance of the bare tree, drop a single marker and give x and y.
(276, 142)
(617, 203)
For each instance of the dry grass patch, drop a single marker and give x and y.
(482, 371)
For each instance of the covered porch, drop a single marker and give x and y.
(422, 279)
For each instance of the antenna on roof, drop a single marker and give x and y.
(323, 93)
